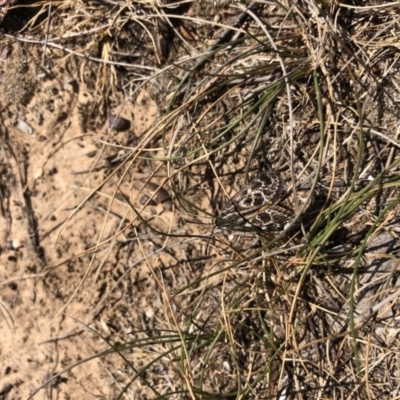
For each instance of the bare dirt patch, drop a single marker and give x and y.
(52, 160)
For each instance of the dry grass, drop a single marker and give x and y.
(309, 89)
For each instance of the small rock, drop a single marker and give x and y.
(24, 127)
(119, 123)
(162, 195)
(38, 173)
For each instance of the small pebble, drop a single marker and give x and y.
(162, 195)
(53, 171)
(14, 244)
(144, 199)
(24, 127)
(38, 173)
(119, 123)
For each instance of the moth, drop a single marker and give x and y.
(255, 206)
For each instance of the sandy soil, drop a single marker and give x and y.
(52, 160)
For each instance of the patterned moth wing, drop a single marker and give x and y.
(254, 206)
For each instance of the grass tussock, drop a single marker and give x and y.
(307, 89)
